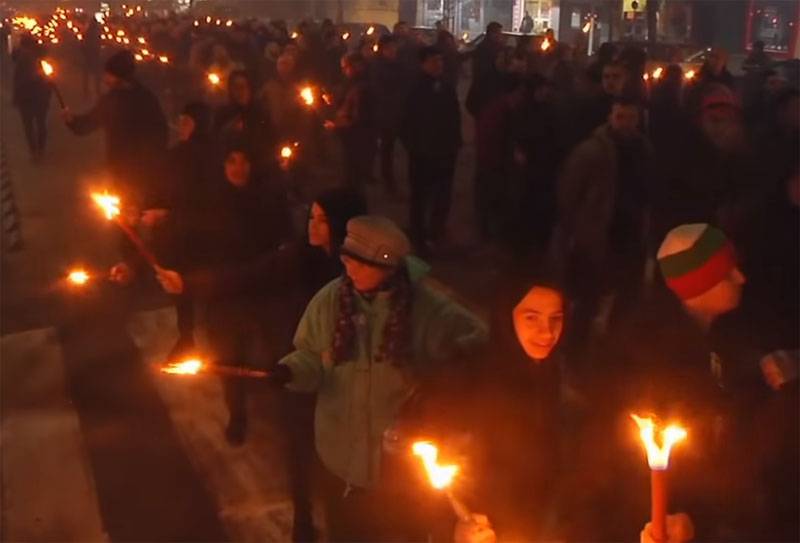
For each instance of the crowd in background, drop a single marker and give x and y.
(660, 215)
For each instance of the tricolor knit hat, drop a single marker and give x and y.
(376, 240)
(694, 258)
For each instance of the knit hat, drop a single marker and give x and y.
(694, 258)
(121, 64)
(376, 240)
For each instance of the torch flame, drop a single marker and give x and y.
(163, 59)
(370, 31)
(658, 457)
(191, 366)
(346, 36)
(286, 152)
(689, 75)
(645, 76)
(213, 78)
(440, 476)
(294, 35)
(78, 277)
(47, 68)
(658, 72)
(545, 44)
(587, 27)
(375, 48)
(307, 95)
(108, 203)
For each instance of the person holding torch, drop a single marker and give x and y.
(365, 340)
(31, 95)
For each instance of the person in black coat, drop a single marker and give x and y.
(242, 120)
(31, 94)
(518, 413)
(135, 130)
(431, 132)
(354, 122)
(487, 79)
(245, 218)
(296, 271)
(389, 80)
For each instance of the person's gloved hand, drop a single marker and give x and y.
(280, 375)
(475, 530)
(680, 529)
(170, 280)
(121, 274)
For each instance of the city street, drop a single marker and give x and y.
(96, 444)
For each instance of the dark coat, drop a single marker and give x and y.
(135, 131)
(31, 88)
(432, 121)
(389, 81)
(487, 81)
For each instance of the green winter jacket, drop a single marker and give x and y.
(358, 399)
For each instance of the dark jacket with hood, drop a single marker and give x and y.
(517, 416)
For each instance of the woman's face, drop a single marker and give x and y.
(539, 321)
(237, 169)
(319, 231)
(364, 276)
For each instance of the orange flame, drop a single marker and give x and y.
(346, 36)
(294, 35)
(78, 277)
(587, 27)
(190, 366)
(545, 44)
(163, 59)
(440, 476)
(214, 78)
(689, 75)
(658, 72)
(645, 76)
(658, 457)
(47, 68)
(370, 31)
(307, 95)
(286, 152)
(141, 40)
(108, 203)
(375, 48)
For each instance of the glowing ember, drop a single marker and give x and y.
(214, 78)
(545, 44)
(108, 203)
(658, 457)
(191, 366)
(370, 31)
(78, 277)
(658, 72)
(307, 95)
(47, 68)
(689, 75)
(440, 476)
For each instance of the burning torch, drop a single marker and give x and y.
(110, 204)
(658, 460)
(48, 70)
(440, 476)
(196, 366)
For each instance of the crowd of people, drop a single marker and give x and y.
(651, 228)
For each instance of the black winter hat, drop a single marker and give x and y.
(121, 65)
